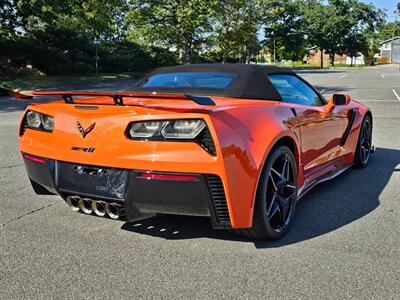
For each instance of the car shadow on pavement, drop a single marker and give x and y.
(329, 206)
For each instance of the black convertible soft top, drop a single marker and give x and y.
(251, 81)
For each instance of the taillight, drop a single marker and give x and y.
(37, 121)
(183, 129)
(167, 129)
(34, 159)
(167, 176)
(192, 130)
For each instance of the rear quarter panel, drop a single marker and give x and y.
(246, 136)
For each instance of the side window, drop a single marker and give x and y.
(294, 90)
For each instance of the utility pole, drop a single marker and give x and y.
(97, 43)
(274, 50)
(391, 42)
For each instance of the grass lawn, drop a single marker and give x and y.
(301, 65)
(294, 65)
(28, 82)
(348, 66)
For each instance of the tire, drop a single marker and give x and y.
(275, 198)
(364, 144)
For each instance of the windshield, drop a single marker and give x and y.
(190, 79)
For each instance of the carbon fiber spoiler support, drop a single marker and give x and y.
(119, 97)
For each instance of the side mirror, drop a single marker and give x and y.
(340, 99)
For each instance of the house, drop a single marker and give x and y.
(391, 49)
(314, 58)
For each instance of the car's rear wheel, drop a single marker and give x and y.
(276, 197)
(364, 145)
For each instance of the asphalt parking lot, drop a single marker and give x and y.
(344, 242)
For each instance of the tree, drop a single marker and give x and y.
(386, 30)
(283, 27)
(178, 24)
(8, 18)
(353, 44)
(235, 27)
(57, 36)
(95, 18)
(364, 19)
(315, 15)
(338, 28)
(372, 38)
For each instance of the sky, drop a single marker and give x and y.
(389, 5)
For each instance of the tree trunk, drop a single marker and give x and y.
(186, 55)
(186, 51)
(322, 58)
(332, 59)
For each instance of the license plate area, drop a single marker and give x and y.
(92, 180)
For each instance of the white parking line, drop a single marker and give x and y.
(397, 96)
(321, 91)
(360, 100)
(342, 76)
(386, 117)
(383, 76)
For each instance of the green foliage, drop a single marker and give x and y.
(340, 26)
(58, 37)
(62, 36)
(179, 24)
(235, 26)
(124, 55)
(284, 29)
(387, 30)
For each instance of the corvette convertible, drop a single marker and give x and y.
(240, 144)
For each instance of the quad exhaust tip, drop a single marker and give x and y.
(99, 208)
(114, 211)
(73, 203)
(86, 206)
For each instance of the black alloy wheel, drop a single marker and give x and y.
(281, 193)
(276, 197)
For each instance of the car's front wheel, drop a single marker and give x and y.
(276, 197)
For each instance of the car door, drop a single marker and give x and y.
(321, 124)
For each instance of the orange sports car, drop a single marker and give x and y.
(238, 143)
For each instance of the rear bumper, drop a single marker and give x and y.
(140, 191)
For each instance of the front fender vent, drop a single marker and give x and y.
(220, 213)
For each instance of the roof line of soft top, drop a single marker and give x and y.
(251, 81)
(119, 97)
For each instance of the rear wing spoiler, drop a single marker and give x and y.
(17, 94)
(118, 97)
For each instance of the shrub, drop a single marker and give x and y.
(383, 60)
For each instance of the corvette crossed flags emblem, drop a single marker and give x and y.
(86, 131)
